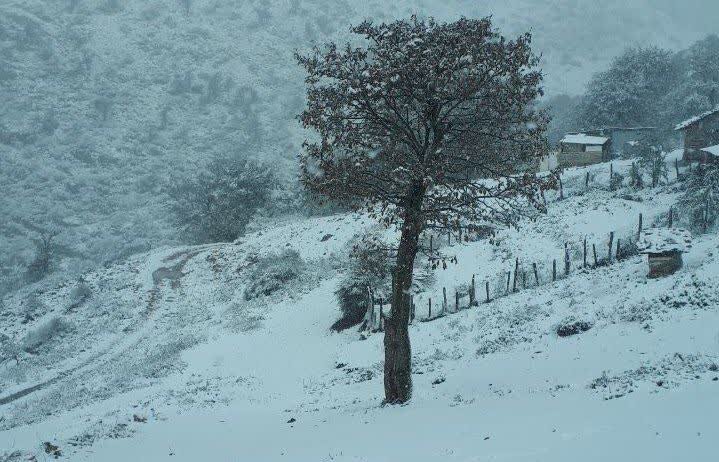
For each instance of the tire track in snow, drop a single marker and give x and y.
(172, 273)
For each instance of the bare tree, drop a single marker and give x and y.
(429, 126)
(45, 255)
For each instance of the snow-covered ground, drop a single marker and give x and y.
(163, 357)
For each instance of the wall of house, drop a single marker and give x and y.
(701, 135)
(579, 159)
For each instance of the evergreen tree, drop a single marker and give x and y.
(629, 92)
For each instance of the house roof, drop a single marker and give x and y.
(581, 138)
(713, 150)
(659, 240)
(696, 119)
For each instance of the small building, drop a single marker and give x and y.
(700, 132)
(621, 137)
(664, 248)
(580, 149)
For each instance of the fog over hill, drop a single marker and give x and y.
(106, 104)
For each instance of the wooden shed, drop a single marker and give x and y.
(621, 137)
(700, 132)
(580, 149)
(664, 248)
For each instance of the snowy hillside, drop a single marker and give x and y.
(107, 104)
(178, 354)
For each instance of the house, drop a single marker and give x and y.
(621, 137)
(701, 136)
(664, 248)
(580, 149)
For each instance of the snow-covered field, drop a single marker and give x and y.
(164, 358)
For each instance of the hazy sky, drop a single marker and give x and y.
(579, 37)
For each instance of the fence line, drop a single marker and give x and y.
(615, 253)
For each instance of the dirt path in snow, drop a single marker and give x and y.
(173, 274)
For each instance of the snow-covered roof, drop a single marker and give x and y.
(696, 119)
(713, 150)
(581, 138)
(658, 240)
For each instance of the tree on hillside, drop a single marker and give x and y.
(429, 126)
(629, 92)
(698, 89)
(45, 255)
(219, 204)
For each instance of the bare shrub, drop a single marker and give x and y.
(272, 273)
(44, 334)
(369, 268)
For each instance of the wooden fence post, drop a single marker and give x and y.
(554, 270)
(585, 252)
(566, 259)
(671, 216)
(561, 188)
(486, 287)
(444, 300)
(472, 293)
(619, 248)
(431, 246)
(639, 231)
(611, 176)
(429, 316)
(516, 270)
(611, 246)
(509, 278)
(456, 300)
(586, 181)
(536, 273)
(594, 250)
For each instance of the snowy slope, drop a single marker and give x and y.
(169, 337)
(107, 104)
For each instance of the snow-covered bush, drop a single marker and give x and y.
(699, 204)
(44, 333)
(653, 161)
(9, 350)
(636, 180)
(33, 308)
(272, 273)
(368, 268)
(616, 181)
(573, 326)
(80, 294)
(218, 205)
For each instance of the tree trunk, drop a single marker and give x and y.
(397, 351)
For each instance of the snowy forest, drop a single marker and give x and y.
(298, 229)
